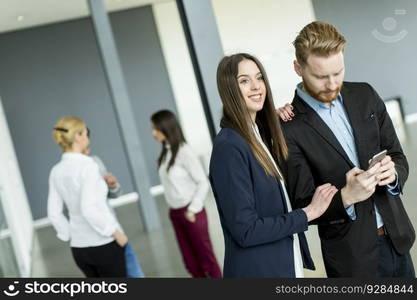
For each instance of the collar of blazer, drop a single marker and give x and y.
(353, 110)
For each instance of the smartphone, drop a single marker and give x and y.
(377, 158)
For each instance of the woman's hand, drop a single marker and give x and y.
(120, 238)
(285, 112)
(320, 202)
(190, 216)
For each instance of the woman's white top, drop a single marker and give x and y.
(185, 182)
(298, 261)
(113, 193)
(76, 182)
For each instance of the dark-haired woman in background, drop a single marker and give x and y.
(186, 187)
(263, 235)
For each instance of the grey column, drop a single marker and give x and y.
(124, 113)
(206, 51)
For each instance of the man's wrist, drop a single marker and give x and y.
(346, 197)
(392, 185)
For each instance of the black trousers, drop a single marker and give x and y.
(391, 263)
(101, 261)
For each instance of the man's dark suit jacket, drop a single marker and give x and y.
(316, 157)
(258, 230)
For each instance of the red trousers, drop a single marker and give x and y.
(194, 242)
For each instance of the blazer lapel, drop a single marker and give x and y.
(310, 117)
(356, 121)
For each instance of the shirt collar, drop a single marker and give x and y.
(71, 155)
(314, 103)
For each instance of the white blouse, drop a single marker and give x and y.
(185, 182)
(76, 182)
(298, 261)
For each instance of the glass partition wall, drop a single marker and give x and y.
(8, 264)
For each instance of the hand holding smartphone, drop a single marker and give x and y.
(377, 158)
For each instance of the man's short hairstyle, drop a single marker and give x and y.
(318, 38)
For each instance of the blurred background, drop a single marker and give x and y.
(115, 62)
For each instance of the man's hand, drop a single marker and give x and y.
(387, 172)
(285, 112)
(360, 184)
(111, 180)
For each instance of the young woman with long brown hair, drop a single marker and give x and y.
(263, 235)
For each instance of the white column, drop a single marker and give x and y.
(14, 200)
(181, 75)
(266, 29)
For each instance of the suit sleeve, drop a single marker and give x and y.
(232, 185)
(389, 140)
(301, 186)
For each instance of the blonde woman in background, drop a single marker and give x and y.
(133, 267)
(96, 238)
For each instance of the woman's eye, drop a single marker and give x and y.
(243, 81)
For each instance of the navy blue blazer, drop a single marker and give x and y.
(257, 228)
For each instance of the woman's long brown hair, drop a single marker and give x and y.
(166, 122)
(236, 114)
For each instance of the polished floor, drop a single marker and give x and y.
(158, 250)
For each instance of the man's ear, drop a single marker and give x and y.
(297, 68)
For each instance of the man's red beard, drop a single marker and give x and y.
(323, 96)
